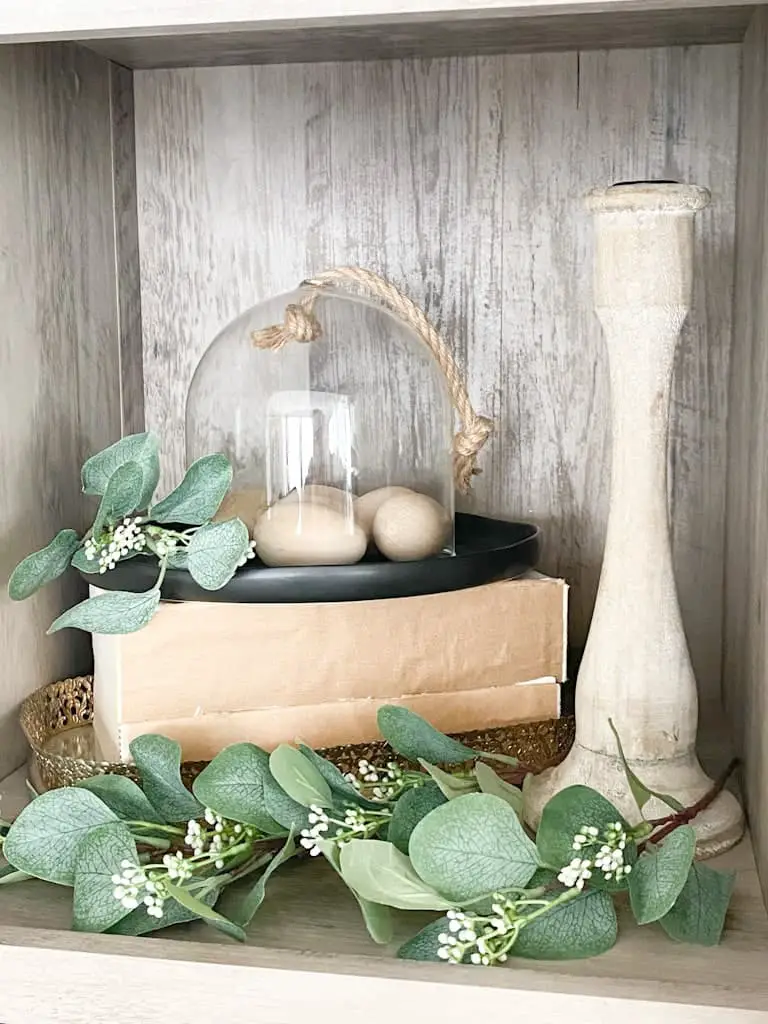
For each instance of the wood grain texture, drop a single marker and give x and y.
(86, 19)
(462, 180)
(746, 649)
(59, 350)
(429, 38)
(327, 967)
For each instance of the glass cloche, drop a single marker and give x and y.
(338, 420)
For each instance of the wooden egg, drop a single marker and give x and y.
(247, 505)
(410, 526)
(369, 504)
(321, 494)
(294, 533)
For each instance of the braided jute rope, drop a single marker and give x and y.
(301, 324)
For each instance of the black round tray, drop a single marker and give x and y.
(486, 549)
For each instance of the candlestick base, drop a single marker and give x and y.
(718, 828)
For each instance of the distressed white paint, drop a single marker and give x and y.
(636, 671)
(461, 180)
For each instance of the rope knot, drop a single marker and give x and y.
(299, 324)
(466, 445)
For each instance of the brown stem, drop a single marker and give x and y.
(672, 821)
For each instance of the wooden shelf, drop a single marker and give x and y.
(169, 33)
(309, 955)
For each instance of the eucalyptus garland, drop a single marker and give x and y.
(435, 828)
(176, 531)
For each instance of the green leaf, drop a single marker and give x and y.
(583, 927)
(121, 497)
(203, 911)
(489, 782)
(471, 846)
(138, 922)
(10, 876)
(299, 777)
(198, 496)
(282, 808)
(94, 906)
(178, 558)
(117, 612)
(43, 566)
(233, 786)
(378, 872)
(378, 918)
(45, 839)
(255, 897)
(122, 796)
(340, 787)
(564, 817)
(699, 912)
(424, 945)
(158, 760)
(639, 790)
(413, 737)
(660, 874)
(138, 448)
(449, 785)
(412, 806)
(215, 552)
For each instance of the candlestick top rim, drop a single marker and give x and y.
(654, 197)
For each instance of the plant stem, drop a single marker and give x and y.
(670, 822)
(154, 827)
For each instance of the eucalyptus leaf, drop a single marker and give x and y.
(489, 782)
(198, 496)
(413, 737)
(641, 793)
(138, 448)
(283, 808)
(121, 497)
(583, 927)
(379, 872)
(378, 918)
(340, 787)
(204, 912)
(425, 944)
(659, 875)
(233, 786)
(299, 778)
(564, 817)
(43, 566)
(698, 915)
(158, 760)
(46, 837)
(178, 558)
(449, 785)
(471, 846)
(113, 613)
(215, 552)
(10, 876)
(138, 922)
(412, 806)
(122, 796)
(247, 910)
(95, 907)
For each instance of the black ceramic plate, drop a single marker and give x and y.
(486, 549)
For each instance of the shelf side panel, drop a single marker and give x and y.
(59, 347)
(746, 639)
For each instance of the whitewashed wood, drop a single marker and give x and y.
(308, 955)
(59, 347)
(461, 179)
(445, 37)
(746, 650)
(82, 19)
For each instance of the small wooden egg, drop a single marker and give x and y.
(369, 504)
(247, 505)
(410, 526)
(294, 533)
(321, 494)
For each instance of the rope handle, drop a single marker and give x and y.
(301, 324)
